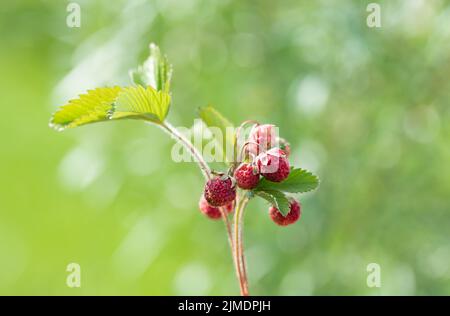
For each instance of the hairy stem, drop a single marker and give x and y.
(238, 244)
(241, 240)
(189, 146)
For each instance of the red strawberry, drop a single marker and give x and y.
(291, 217)
(273, 165)
(247, 176)
(211, 211)
(220, 191)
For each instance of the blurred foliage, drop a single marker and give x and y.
(366, 109)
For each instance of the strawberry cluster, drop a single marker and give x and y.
(267, 157)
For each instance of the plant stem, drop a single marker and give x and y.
(201, 163)
(238, 244)
(188, 145)
(179, 137)
(241, 241)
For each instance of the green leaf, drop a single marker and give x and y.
(149, 100)
(91, 107)
(141, 103)
(113, 103)
(275, 198)
(214, 118)
(155, 71)
(298, 181)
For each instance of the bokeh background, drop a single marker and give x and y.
(367, 109)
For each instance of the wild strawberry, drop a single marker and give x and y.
(291, 217)
(273, 165)
(261, 139)
(211, 211)
(247, 176)
(220, 191)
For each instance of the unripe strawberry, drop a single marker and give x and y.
(220, 191)
(261, 138)
(211, 211)
(273, 165)
(247, 176)
(291, 217)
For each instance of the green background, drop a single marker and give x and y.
(367, 109)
